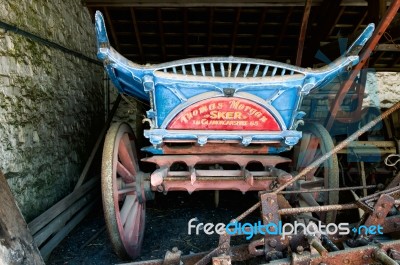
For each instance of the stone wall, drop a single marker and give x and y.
(51, 102)
(382, 89)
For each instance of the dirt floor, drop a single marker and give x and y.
(166, 227)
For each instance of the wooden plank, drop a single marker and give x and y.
(53, 243)
(387, 47)
(137, 34)
(46, 217)
(54, 226)
(16, 245)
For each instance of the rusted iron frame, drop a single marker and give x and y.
(381, 209)
(317, 162)
(389, 191)
(326, 190)
(212, 184)
(340, 146)
(137, 34)
(216, 149)
(368, 48)
(303, 32)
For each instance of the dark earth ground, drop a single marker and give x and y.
(166, 227)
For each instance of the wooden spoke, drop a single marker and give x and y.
(124, 173)
(316, 142)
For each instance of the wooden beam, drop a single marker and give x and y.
(303, 31)
(161, 30)
(46, 217)
(360, 22)
(376, 10)
(324, 23)
(234, 31)
(364, 56)
(16, 242)
(387, 47)
(283, 32)
(259, 31)
(111, 27)
(332, 26)
(137, 34)
(395, 62)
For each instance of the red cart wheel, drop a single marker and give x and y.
(315, 143)
(123, 195)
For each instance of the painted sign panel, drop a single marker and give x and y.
(225, 113)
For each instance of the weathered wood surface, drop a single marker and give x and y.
(16, 242)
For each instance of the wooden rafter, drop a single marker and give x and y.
(303, 31)
(111, 26)
(283, 32)
(376, 10)
(364, 56)
(259, 30)
(161, 30)
(332, 26)
(210, 30)
(234, 32)
(137, 34)
(325, 21)
(185, 31)
(360, 22)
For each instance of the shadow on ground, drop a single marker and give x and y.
(166, 227)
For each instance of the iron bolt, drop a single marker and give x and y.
(300, 249)
(383, 205)
(272, 243)
(365, 257)
(379, 215)
(346, 261)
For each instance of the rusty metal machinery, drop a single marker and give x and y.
(226, 123)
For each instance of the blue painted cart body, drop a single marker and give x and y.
(174, 86)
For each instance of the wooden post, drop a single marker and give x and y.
(16, 242)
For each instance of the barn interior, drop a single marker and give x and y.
(57, 104)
